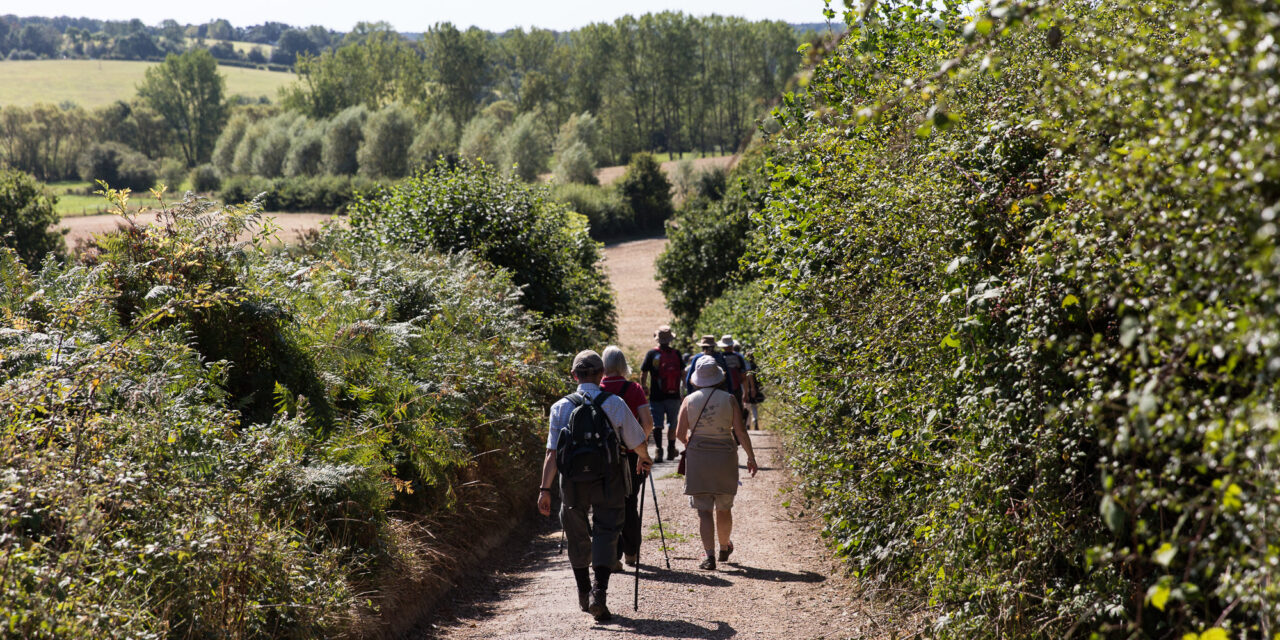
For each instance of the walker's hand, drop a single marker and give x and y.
(544, 503)
(751, 466)
(643, 465)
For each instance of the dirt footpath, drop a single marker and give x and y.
(779, 582)
(81, 228)
(641, 307)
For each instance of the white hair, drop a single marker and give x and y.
(615, 362)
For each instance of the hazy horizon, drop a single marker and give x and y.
(498, 16)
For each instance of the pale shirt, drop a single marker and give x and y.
(629, 430)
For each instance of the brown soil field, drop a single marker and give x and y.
(82, 228)
(641, 307)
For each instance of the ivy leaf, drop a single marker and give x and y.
(1070, 300)
(1216, 633)
(1164, 555)
(950, 341)
(1158, 595)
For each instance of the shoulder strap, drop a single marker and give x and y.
(576, 399)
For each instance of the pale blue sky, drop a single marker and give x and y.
(495, 15)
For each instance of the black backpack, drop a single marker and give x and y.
(588, 447)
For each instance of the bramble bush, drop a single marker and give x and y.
(157, 484)
(1021, 281)
(474, 208)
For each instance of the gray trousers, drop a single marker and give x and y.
(594, 544)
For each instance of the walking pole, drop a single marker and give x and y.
(635, 605)
(657, 511)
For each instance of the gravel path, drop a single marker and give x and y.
(778, 584)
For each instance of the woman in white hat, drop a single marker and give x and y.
(709, 419)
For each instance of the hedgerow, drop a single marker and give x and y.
(203, 438)
(474, 208)
(1021, 289)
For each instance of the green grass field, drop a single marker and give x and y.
(77, 199)
(94, 83)
(240, 46)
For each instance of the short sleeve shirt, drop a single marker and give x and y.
(629, 430)
(650, 365)
(633, 395)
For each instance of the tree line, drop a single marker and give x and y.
(38, 38)
(658, 82)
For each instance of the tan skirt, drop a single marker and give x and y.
(711, 466)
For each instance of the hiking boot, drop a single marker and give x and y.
(597, 607)
(725, 551)
(671, 450)
(657, 457)
(617, 566)
(632, 559)
(584, 600)
(709, 563)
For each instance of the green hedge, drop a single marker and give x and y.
(1023, 311)
(203, 439)
(323, 194)
(608, 215)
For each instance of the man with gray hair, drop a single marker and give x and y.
(588, 430)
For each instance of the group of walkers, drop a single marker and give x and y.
(598, 445)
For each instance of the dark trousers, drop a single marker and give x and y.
(630, 542)
(593, 544)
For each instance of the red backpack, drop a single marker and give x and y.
(670, 370)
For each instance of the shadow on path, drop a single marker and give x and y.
(774, 575)
(675, 576)
(669, 628)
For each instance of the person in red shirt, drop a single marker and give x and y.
(616, 370)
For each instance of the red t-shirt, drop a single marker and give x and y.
(633, 396)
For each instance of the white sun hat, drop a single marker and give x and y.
(726, 341)
(707, 373)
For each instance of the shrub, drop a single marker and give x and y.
(323, 194)
(384, 152)
(436, 139)
(737, 311)
(272, 150)
(580, 128)
(342, 141)
(172, 173)
(707, 241)
(606, 211)
(205, 179)
(118, 166)
(1025, 314)
(480, 140)
(525, 147)
(576, 165)
(27, 218)
(306, 153)
(474, 208)
(242, 162)
(219, 406)
(228, 142)
(645, 188)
